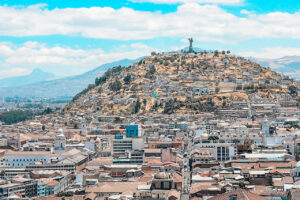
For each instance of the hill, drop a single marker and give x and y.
(35, 76)
(68, 86)
(180, 83)
(288, 65)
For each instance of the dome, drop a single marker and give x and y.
(161, 175)
(297, 133)
(60, 131)
(98, 140)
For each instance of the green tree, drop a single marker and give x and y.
(137, 106)
(127, 79)
(235, 141)
(293, 90)
(115, 86)
(15, 116)
(216, 53)
(239, 87)
(151, 72)
(47, 111)
(213, 138)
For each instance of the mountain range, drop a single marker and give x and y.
(288, 65)
(35, 86)
(35, 76)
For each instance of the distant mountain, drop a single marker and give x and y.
(288, 65)
(68, 86)
(36, 75)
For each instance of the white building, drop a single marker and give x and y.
(121, 146)
(60, 142)
(23, 158)
(221, 151)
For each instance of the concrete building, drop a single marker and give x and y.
(132, 131)
(23, 158)
(121, 146)
(222, 151)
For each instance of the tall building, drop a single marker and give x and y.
(83, 127)
(132, 131)
(265, 126)
(122, 146)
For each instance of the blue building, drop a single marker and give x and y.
(132, 131)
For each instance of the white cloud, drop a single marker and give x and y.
(203, 22)
(5, 73)
(189, 1)
(272, 52)
(140, 46)
(62, 61)
(5, 49)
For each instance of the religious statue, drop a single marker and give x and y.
(191, 45)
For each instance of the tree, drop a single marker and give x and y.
(155, 106)
(235, 141)
(16, 116)
(239, 87)
(217, 90)
(43, 128)
(224, 104)
(137, 106)
(293, 90)
(127, 79)
(223, 52)
(115, 86)
(213, 138)
(216, 53)
(151, 72)
(47, 111)
(228, 51)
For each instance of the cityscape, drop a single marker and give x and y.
(152, 122)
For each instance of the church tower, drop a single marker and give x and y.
(265, 126)
(83, 127)
(60, 142)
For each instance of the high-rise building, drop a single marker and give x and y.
(132, 131)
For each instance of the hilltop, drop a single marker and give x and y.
(181, 83)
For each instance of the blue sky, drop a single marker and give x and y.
(72, 37)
